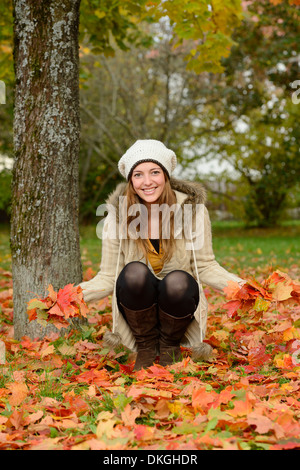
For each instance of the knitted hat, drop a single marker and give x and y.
(147, 151)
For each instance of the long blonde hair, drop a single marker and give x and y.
(167, 197)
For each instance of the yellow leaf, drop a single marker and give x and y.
(85, 50)
(100, 14)
(105, 416)
(105, 427)
(291, 333)
(261, 305)
(282, 292)
(287, 387)
(177, 407)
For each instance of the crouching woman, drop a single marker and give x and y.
(156, 253)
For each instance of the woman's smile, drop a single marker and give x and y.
(149, 190)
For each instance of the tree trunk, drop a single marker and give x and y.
(45, 197)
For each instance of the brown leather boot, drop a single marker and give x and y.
(144, 327)
(172, 330)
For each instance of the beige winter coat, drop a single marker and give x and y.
(117, 253)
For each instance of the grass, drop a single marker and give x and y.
(90, 247)
(235, 246)
(277, 247)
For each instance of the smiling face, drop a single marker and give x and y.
(148, 181)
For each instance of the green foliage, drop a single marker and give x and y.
(103, 23)
(207, 25)
(5, 192)
(102, 20)
(252, 119)
(6, 34)
(269, 34)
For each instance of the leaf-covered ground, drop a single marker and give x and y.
(69, 392)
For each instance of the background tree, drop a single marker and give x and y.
(253, 121)
(265, 155)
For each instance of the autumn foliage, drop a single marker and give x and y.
(258, 297)
(58, 307)
(69, 392)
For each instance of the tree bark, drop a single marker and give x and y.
(45, 196)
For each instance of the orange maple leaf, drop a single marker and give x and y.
(19, 391)
(232, 289)
(202, 400)
(241, 407)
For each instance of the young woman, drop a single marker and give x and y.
(156, 253)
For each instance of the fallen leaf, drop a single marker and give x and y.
(129, 415)
(19, 391)
(48, 350)
(263, 423)
(282, 292)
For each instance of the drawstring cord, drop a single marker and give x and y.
(200, 290)
(115, 305)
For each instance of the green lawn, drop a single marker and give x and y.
(235, 247)
(274, 247)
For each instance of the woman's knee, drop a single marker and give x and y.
(134, 276)
(176, 285)
(136, 286)
(178, 293)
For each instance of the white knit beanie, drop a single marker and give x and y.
(147, 151)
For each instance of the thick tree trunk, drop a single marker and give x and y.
(44, 221)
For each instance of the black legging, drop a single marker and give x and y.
(137, 289)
